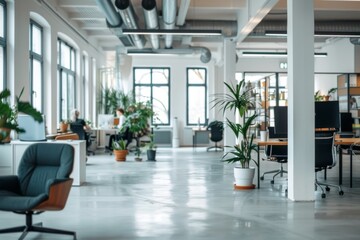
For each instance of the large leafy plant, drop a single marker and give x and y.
(239, 99)
(8, 113)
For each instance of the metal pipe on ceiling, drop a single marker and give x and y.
(127, 14)
(112, 16)
(151, 20)
(169, 16)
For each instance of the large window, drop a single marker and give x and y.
(153, 84)
(36, 65)
(2, 44)
(196, 96)
(66, 79)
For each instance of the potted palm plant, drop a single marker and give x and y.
(240, 100)
(8, 114)
(119, 150)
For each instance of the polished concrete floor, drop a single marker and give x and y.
(188, 194)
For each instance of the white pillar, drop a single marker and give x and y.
(301, 114)
(229, 77)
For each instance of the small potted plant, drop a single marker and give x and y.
(151, 150)
(64, 125)
(8, 114)
(138, 152)
(119, 150)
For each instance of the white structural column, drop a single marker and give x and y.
(301, 113)
(229, 77)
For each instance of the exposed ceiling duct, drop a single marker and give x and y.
(169, 16)
(228, 28)
(128, 15)
(114, 21)
(205, 53)
(151, 20)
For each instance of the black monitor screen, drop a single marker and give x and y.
(346, 122)
(327, 114)
(280, 119)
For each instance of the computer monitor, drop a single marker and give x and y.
(105, 120)
(327, 114)
(34, 131)
(280, 120)
(346, 122)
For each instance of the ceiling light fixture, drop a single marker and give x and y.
(272, 33)
(275, 54)
(172, 32)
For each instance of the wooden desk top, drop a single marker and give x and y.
(276, 142)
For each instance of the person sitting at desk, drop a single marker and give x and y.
(75, 119)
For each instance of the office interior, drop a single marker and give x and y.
(101, 58)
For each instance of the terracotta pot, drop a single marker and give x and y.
(64, 127)
(5, 132)
(120, 155)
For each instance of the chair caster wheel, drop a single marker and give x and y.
(327, 189)
(272, 181)
(323, 195)
(261, 178)
(341, 193)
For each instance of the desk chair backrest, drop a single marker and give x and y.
(216, 130)
(325, 151)
(42, 162)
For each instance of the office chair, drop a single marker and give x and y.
(83, 135)
(325, 158)
(216, 134)
(42, 184)
(275, 154)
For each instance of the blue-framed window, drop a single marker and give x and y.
(36, 65)
(2, 45)
(66, 79)
(196, 96)
(153, 84)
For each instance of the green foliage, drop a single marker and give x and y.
(317, 96)
(119, 145)
(137, 118)
(111, 99)
(8, 113)
(239, 100)
(151, 145)
(332, 90)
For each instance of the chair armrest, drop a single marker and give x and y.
(10, 183)
(58, 191)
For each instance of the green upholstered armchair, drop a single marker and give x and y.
(42, 184)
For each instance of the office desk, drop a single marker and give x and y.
(337, 142)
(344, 142)
(270, 142)
(197, 133)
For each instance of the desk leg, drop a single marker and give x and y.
(351, 162)
(258, 169)
(340, 166)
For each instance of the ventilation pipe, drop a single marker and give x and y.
(151, 20)
(169, 16)
(205, 53)
(128, 16)
(112, 16)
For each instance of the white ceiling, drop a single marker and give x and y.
(90, 20)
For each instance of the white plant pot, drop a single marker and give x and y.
(244, 176)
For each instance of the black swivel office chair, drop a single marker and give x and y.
(83, 135)
(216, 134)
(325, 158)
(42, 184)
(276, 154)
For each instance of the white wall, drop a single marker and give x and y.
(18, 54)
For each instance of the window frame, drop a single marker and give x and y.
(188, 85)
(62, 69)
(3, 44)
(35, 56)
(152, 85)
